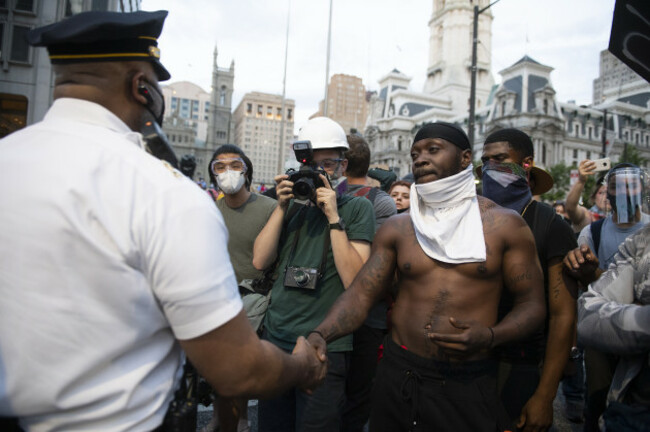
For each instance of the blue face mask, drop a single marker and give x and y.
(506, 184)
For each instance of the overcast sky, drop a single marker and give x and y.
(369, 39)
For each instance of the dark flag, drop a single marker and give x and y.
(630, 37)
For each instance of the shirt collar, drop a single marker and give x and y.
(79, 110)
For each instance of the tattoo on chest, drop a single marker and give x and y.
(439, 306)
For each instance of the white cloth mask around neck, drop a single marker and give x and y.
(447, 219)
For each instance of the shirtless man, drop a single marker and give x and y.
(436, 370)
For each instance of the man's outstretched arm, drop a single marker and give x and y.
(351, 308)
(237, 363)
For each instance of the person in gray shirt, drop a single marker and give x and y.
(368, 338)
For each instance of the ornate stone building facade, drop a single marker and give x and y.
(525, 99)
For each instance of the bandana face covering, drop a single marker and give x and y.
(506, 185)
(447, 219)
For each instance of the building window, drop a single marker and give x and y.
(100, 5)
(25, 6)
(222, 96)
(289, 114)
(589, 155)
(503, 108)
(13, 113)
(545, 106)
(2, 32)
(249, 108)
(259, 110)
(279, 113)
(19, 45)
(575, 153)
(269, 111)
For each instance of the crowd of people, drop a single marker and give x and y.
(340, 297)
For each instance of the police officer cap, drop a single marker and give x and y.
(104, 36)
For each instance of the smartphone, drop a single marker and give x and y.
(603, 164)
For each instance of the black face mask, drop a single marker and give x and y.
(157, 142)
(155, 101)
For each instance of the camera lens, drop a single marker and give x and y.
(301, 277)
(303, 188)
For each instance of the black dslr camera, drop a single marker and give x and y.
(306, 180)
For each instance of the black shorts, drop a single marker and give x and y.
(413, 393)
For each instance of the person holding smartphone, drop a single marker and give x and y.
(580, 216)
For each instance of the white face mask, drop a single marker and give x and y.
(230, 182)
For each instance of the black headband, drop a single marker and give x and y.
(446, 131)
(517, 139)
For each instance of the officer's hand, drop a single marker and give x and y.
(326, 200)
(586, 168)
(283, 190)
(313, 369)
(581, 263)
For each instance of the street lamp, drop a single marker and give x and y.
(472, 90)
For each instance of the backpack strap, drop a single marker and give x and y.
(372, 194)
(596, 228)
(368, 192)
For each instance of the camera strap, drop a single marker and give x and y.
(326, 246)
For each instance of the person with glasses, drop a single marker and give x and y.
(319, 244)
(245, 213)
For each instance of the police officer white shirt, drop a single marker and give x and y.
(106, 256)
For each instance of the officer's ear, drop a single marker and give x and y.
(140, 89)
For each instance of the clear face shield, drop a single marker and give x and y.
(627, 193)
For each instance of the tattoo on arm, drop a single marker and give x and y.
(351, 308)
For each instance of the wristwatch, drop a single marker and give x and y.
(340, 225)
(575, 353)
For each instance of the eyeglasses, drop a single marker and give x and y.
(329, 163)
(221, 165)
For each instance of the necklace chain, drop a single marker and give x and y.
(526, 208)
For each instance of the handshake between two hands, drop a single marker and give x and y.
(311, 353)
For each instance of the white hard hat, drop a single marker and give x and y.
(324, 133)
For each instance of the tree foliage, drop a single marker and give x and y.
(632, 155)
(561, 174)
